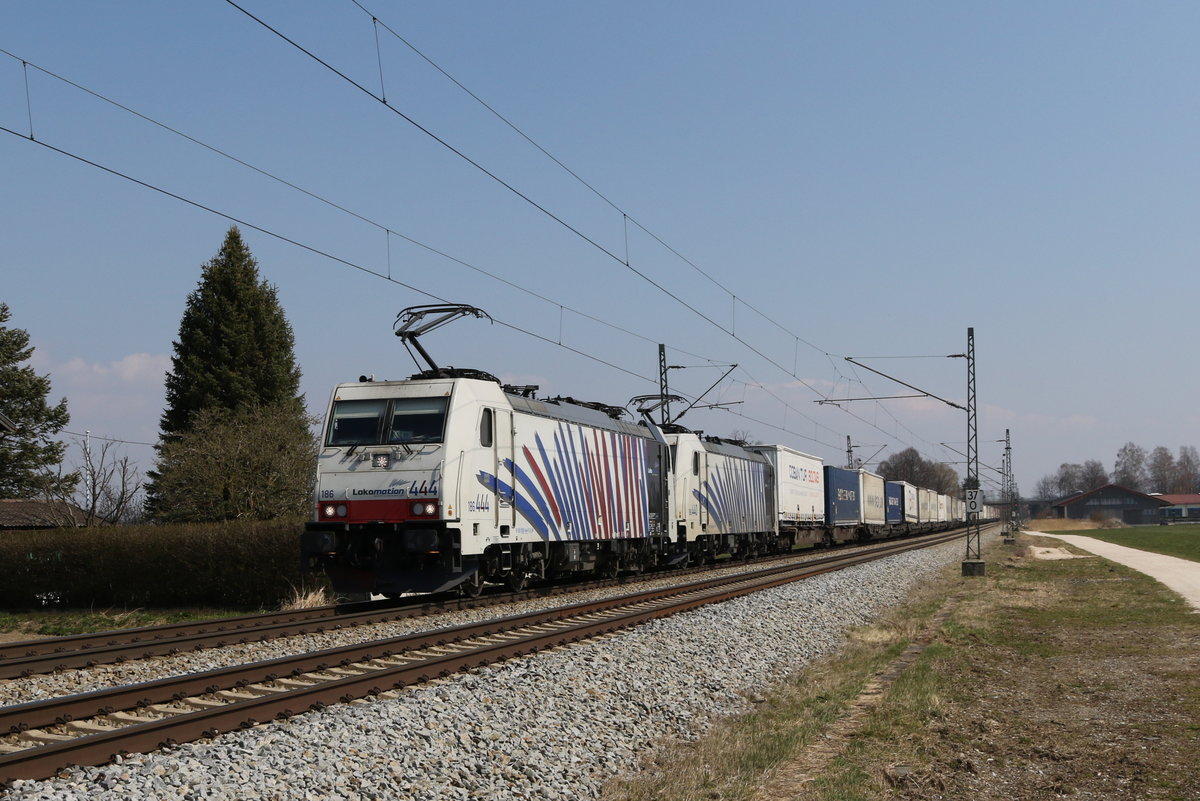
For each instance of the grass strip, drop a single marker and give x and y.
(1049, 678)
(735, 758)
(54, 622)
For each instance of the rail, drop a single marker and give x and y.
(46, 736)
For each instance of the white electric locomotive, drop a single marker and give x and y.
(442, 480)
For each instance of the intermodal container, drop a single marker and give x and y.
(928, 505)
(895, 502)
(799, 484)
(874, 503)
(843, 504)
(911, 505)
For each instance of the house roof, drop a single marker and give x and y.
(36, 513)
(6, 424)
(1187, 499)
(1076, 498)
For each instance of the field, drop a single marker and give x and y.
(1179, 540)
(1042, 679)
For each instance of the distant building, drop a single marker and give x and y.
(30, 513)
(1182, 507)
(1111, 500)
(7, 426)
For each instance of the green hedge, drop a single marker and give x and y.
(245, 565)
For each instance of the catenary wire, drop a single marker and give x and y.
(444, 255)
(352, 213)
(625, 215)
(339, 207)
(580, 179)
(108, 439)
(358, 267)
(518, 193)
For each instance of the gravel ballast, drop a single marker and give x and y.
(556, 725)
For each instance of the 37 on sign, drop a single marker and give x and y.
(974, 501)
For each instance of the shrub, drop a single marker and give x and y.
(238, 564)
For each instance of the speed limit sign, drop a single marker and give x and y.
(974, 501)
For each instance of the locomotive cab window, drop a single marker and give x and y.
(417, 420)
(356, 422)
(408, 420)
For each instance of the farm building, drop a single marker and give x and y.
(29, 513)
(1182, 507)
(1111, 500)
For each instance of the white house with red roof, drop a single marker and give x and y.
(1182, 507)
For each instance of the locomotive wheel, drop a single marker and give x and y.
(473, 586)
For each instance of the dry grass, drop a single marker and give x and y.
(741, 756)
(1054, 524)
(306, 599)
(1005, 702)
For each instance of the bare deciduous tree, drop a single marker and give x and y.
(1187, 470)
(908, 465)
(112, 485)
(1092, 475)
(109, 489)
(1070, 479)
(1160, 470)
(1046, 488)
(1129, 470)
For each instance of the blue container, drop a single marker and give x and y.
(893, 492)
(843, 503)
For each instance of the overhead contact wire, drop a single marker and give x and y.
(579, 178)
(520, 194)
(311, 249)
(332, 204)
(388, 231)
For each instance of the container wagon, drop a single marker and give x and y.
(799, 495)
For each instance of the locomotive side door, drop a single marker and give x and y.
(503, 454)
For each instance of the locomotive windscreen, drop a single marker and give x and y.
(408, 420)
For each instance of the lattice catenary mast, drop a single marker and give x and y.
(973, 563)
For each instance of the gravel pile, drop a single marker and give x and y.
(553, 726)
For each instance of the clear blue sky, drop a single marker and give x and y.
(868, 179)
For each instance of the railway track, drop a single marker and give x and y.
(31, 657)
(40, 738)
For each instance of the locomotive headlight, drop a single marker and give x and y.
(421, 508)
(431, 508)
(333, 510)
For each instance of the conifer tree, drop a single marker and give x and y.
(234, 355)
(235, 346)
(27, 455)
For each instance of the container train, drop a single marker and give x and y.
(450, 480)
